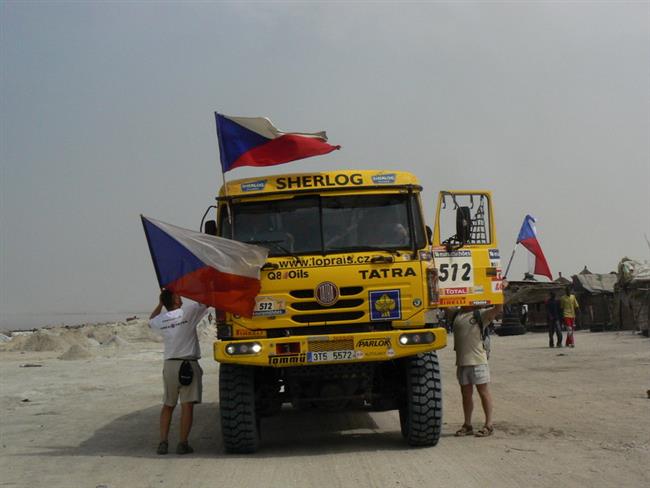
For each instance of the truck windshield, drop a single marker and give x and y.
(328, 224)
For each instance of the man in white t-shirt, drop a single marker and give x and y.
(472, 364)
(178, 328)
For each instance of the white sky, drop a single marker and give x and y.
(107, 112)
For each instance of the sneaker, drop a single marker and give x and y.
(163, 447)
(184, 448)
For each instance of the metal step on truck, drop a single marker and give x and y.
(346, 317)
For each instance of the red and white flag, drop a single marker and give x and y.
(212, 270)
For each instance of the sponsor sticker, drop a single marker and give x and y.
(461, 253)
(385, 305)
(481, 302)
(494, 254)
(288, 359)
(288, 275)
(497, 286)
(269, 306)
(453, 301)
(249, 333)
(425, 256)
(374, 342)
(454, 291)
(383, 179)
(253, 185)
(479, 289)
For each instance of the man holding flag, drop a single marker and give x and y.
(182, 375)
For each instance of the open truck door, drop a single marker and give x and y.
(465, 250)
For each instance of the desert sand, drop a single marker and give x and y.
(80, 409)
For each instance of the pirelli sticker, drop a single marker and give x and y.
(453, 301)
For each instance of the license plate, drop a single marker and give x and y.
(322, 356)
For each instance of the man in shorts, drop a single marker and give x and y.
(178, 328)
(569, 306)
(472, 364)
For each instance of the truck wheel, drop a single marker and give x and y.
(239, 421)
(421, 412)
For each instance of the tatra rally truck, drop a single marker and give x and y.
(347, 316)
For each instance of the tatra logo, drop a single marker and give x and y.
(327, 293)
(370, 274)
(315, 181)
(253, 185)
(380, 342)
(287, 359)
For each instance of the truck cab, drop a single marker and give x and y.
(343, 318)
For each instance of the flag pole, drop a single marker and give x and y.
(510, 262)
(223, 174)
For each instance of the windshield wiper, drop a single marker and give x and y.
(362, 248)
(277, 245)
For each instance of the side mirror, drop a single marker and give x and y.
(463, 224)
(210, 227)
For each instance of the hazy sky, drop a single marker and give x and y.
(107, 112)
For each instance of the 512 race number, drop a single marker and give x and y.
(456, 272)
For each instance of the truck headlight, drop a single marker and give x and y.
(241, 348)
(415, 338)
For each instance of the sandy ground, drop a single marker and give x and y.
(564, 418)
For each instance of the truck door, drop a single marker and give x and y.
(465, 250)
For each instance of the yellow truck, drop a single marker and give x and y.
(347, 313)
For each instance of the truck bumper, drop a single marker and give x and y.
(329, 349)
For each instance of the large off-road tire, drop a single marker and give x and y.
(239, 420)
(421, 412)
(509, 330)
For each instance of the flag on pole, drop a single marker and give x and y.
(255, 141)
(212, 270)
(528, 238)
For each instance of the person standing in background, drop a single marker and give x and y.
(553, 317)
(569, 306)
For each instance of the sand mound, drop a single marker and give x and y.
(4, 338)
(76, 352)
(116, 341)
(38, 341)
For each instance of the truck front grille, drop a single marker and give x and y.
(336, 345)
(350, 303)
(327, 317)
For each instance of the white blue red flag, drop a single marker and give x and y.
(212, 270)
(255, 141)
(528, 238)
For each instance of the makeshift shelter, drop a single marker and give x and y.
(595, 294)
(532, 294)
(633, 296)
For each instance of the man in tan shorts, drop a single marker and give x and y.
(178, 328)
(472, 365)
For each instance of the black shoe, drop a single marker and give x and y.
(184, 448)
(163, 447)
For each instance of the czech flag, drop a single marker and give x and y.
(255, 141)
(528, 238)
(212, 270)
